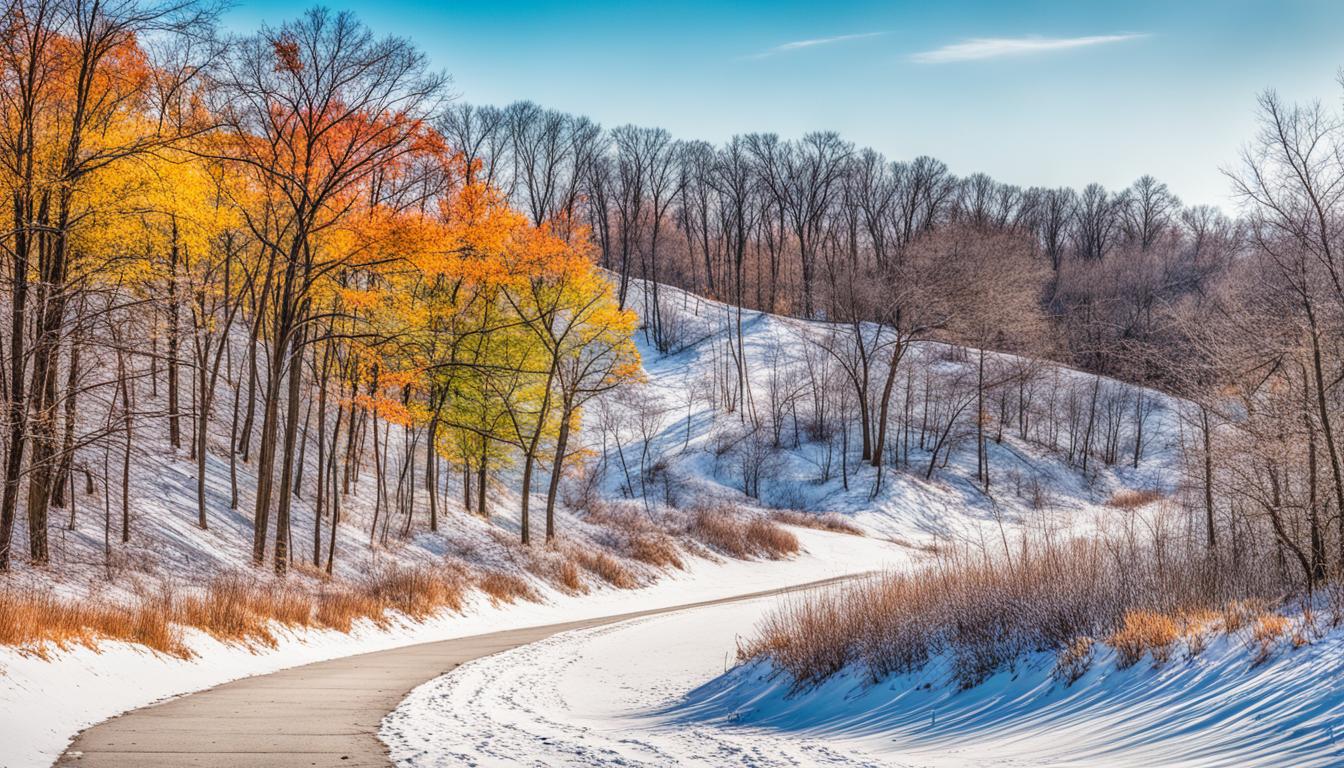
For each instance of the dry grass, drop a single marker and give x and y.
(605, 567)
(552, 566)
(634, 535)
(339, 609)
(233, 608)
(1266, 632)
(657, 549)
(829, 521)
(37, 622)
(1141, 633)
(1074, 661)
(416, 592)
(737, 535)
(1131, 500)
(980, 612)
(506, 588)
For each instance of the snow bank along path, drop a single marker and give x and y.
(46, 703)
(653, 692)
(603, 696)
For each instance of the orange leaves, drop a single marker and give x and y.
(286, 50)
(386, 408)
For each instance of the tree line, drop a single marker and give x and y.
(269, 231)
(1239, 316)
(297, 232)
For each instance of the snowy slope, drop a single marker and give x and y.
(653, 692)
(1033, 486)
(682, 429)
(45, 703)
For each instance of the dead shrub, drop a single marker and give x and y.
(1195, 628)
(603, 566)
(1266, 631)
(1074, 661)
(36, 622)
(635, 535)
(656, 549)
(725, 531)
(829, 521)
(232, 608)
(552, 566)
(340, 608)
(979, 611)
(416, 593)
(1237, 614)
(764, 536)
(1133, 499)
(1144, 632)
(506, 588)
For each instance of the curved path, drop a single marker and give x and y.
(323, 714)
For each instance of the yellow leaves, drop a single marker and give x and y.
(356, 299)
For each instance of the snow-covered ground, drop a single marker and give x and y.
(665, 690)
(45, 703)
(667, 427)
(1034, 486)
(598, 697)
(654, 692)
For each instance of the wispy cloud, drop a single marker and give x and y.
(999, 47)
(798, 45)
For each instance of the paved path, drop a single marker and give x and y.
(323, 714)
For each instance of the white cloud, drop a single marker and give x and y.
(998, 47)
(798, 45)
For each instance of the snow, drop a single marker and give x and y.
(906, 506)
(1215, 709)
(47, 702)
(654, 691)
(596, 697)
(664, 690)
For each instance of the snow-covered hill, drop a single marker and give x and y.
(661, 448)
(1034, 484)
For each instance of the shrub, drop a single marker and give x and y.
(980, 612)
(504, 587)
(1144, 632)
(829, 521)
(605, 567)
(1133, 499)
(552, 566)
(1265, 634)
(1074, 661)
(722, 529)
(36, 622)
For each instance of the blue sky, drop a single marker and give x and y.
(1032, 93)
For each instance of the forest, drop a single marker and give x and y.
(303, 235)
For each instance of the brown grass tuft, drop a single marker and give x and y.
(739, 536)
(417, 592)
(825, 522)
(1130, 500)
(1144, 632)
(552, 566)
(656, 549)
(506, 588)
(979, 611)
(37, 622)
(1074, 661)
(1266, 631)
(233, 608)
(605, 567)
